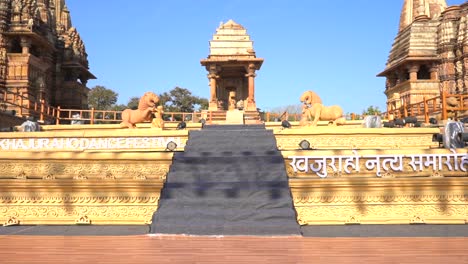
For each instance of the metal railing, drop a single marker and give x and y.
(27, 107)
(432, 106)
(93, 116)
(275, 117)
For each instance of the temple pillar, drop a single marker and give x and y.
(413, 72)
(25, 45)
(401, 77)
(392, 80)
(42, 89)
(434, 70)
(213, 76)
(251, 106)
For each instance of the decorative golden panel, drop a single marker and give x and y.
(110, 214)
(356, 138)
(84, 165)
(355, 142)
(83, 170)
(78, 202)
(383, 214)
(100, 176)
(381, 201)
(94, 214)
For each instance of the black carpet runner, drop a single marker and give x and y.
(230, 180)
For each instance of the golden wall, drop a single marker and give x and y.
(375, 176)
(104, 175)
(430, 200)
(111, 176)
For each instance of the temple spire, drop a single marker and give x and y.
(420, 8)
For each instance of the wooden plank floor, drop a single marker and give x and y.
(183, 249)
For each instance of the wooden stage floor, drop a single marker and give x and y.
(186, 249)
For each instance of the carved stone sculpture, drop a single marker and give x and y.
(232, 100)
(452, 104)
(158, 121)
(309, 98)
(146, 108)
(313, 110)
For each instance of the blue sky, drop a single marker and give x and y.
(335, 48)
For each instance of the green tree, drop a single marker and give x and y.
(372, 110)
(182, 100)
(118, 107)
(101, 98)
(133, 103)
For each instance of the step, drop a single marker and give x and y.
(230, 180)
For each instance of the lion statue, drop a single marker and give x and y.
(146, 108)
(313, 110)
(309, 98)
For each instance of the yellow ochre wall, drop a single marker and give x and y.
(119, 182)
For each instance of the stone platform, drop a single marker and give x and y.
(84, 174)
(104, 175)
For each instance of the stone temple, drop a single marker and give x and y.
(429, 54)
(42, 56)
(231, 67)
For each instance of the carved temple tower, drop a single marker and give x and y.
(42, 57)
(429, 54)
(231, 67)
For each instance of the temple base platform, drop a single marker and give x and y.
(348, 175)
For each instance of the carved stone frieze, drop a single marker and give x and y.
(83, 220)
(82, 198)
(352, 220)
(11, 221)
(382, 213)
(381, 201)
(81, 202)
(82, 170)
(355, 142)
(303, 199)
(80, 176)
(95, 214)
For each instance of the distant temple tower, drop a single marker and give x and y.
(429, 54)
(42, 57)
(231, 67)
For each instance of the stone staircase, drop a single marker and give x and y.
(230, 180)
(252, 117)
(219, 117)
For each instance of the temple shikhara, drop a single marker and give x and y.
(429, 54)
(232, 65)
(42, 56)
